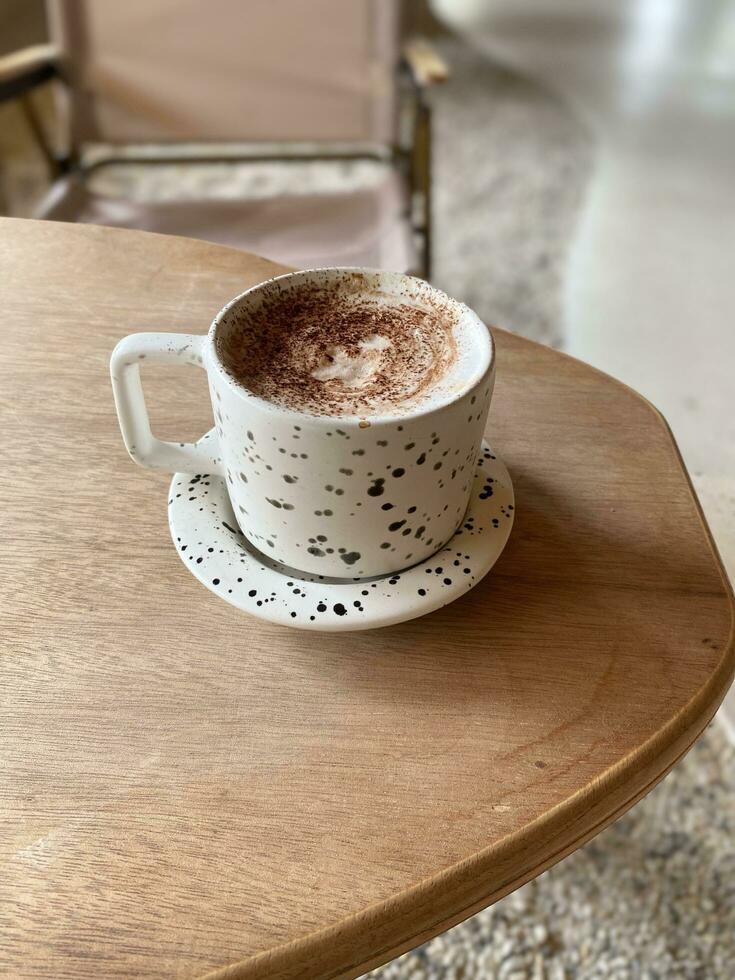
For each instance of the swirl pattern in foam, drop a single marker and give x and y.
(352, 346)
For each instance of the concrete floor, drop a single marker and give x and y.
(650, 282)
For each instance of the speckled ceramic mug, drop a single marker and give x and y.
(343, 496)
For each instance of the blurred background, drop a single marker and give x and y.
(566, 168)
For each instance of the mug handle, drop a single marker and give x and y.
(141, 444)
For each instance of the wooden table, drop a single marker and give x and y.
(187, 791)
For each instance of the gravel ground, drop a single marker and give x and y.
(511, 166)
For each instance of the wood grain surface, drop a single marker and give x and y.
(188, 792)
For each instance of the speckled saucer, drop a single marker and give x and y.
(209, 543)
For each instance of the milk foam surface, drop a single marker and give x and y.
(354, 351)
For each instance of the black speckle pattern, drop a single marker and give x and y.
(205, 532)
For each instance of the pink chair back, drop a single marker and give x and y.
(229, 70)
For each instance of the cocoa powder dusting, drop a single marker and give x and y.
(331, 352)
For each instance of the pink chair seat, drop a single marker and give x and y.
(366, 227)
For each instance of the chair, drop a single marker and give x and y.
(271, 80)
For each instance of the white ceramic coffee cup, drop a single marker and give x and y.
(336, 496)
